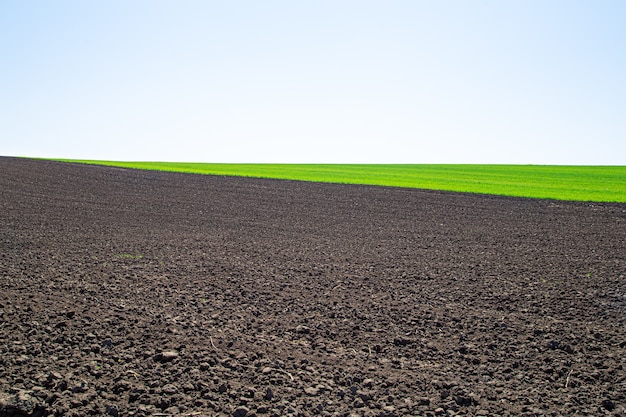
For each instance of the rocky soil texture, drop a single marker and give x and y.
(136, 293)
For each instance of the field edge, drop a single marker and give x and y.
(601, 184)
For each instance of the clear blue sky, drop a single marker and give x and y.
(437, 81)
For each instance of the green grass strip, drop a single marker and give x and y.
(558, 182)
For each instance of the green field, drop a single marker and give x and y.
(581, 183)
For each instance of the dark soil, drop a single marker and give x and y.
(136, 293)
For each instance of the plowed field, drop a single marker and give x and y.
(138, 293)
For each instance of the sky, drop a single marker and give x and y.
(323, 81)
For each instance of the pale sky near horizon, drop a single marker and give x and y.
(341, 81)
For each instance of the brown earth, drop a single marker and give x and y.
(135, 293)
